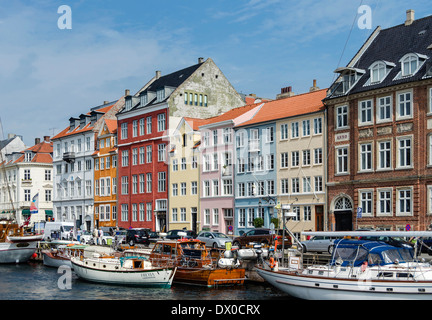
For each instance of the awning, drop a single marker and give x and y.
(26, 212)
(49, 213)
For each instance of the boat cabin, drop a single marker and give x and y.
(351, 252)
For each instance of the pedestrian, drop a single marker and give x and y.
(95, 235)
(100, 236)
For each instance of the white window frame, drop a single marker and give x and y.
(366, 157)
(337, 156)
(365, 112)
(398, 201)
(344, 114)
(379, 212)
(382, 103)
(399, 94)
(399, 165)
(366, 196)
(380, 152)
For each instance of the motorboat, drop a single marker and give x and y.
(15, 245)
(196, 265)
(358, 269)
(133, 271)
(61, 255)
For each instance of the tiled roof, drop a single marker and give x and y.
(390, 45)
(288, 107)
(233, 114)
(111, 125)
(195, 123)
(42, 153)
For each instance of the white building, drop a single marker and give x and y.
(23, 175)
(73, 166)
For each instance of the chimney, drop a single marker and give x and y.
(409, 17)
(106, 102)
(47, 139)
(285, 93)
(127, 92)
(37, 141)
(200, 60)
(314, 87)
(158, 74)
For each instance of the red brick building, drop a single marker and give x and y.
(380, 132)
(144, 123)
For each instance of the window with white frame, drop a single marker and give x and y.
(254, 141)
(384, 155)
(295, 185)
(161, 123)
(124, 212)
(149, 154)
(251, 217)
(149, 182)
(206, 216)
(161, 152)
(294, 130)
(384, 205)
(284, 131)
(341, 117)
(216, 216)
(284, 186)
(366, 156)
(161, 181)
(183, 214)
(409, 64)
(307, 213)
(149, 211)
(175, 189)
(125, 185)
(295, 158)
(194, 188)
(384, 109)
(149, 125)
(378, 72)
(318, 184)
(318, 156)
(174, 214)
(341, 160)
(242, 217)
(269, 134)
(134, 128)
(124, 130)
(404, 201)
(404, 105)
(306, 128)
(365, 112)
(306, 158)
(318, 126)
(227, 187)
(284, 160)
(366, 202)
(307, 185)
(404, 152)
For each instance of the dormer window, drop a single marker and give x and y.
(27, 156)
(411, 63)
(347, 80)
(128, 104)
(160, 94)
(378, 71)
(144, 100)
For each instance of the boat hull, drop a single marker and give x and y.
(210, 277)
(54, 261)
(17, 252)
(146, 278)
(321, 288)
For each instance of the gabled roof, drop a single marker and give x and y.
(288, 107)
(42, 153)
(390, 45)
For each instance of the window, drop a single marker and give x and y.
(161, 122)
(161, 181)
(307, 213)
(125, 185)
(366, 202)
(149, 211)
(306, 158)
(341, 117)
(317, 125)
(284, 160)
(207, 216)
(378, 72)
(366, 156)
(227, 135)
(124, 131)
(295, 158)
(207, 188)
(161, 152)
(149, 125)
(134, 157)
(294, 130)
(307, 185)
(149, 182)
(318, 184)
(284, 131)
(125, 158)
(160, 94)
(384, 206)
(318, 156)
(216, 216)
(124, 212)
(227, 187)
(141, 183)
(183, 188)
(141, 212)
(269, 134)
(141, 127)
(175, 189)
(384, 154)
(404, 206)
(241, 190)
(134, 129)
(409, 65)
(149, 154)
(404, 106)
(384, 109)
(284, 186)
(404, 146)
(306, 128)
(254, 142)
(182, 214)
(295, 185)
(141, 155)
(365, 112)
(342, 160)
(194, 188)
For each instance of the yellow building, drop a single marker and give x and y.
(105, 175)
(184, 184)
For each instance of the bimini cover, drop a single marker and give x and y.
(349, 252)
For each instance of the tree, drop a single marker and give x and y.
(258, 222)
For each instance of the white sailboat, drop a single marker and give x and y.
(359, 269)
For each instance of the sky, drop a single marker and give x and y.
(49, 74)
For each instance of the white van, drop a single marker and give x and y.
(58, 230)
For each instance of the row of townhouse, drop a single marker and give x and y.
(186, 152)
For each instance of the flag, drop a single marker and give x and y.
(34, 204)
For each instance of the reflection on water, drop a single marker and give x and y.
(34, 281)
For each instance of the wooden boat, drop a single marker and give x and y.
(359, 269)
(61, 255)
(136, 271)
(15, 246)
(195, 264)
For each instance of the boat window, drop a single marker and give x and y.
(166, 249)
(157, 248)
(407, 254)
(374, 259)
(192, 253)
(404, 275)
(385, 274)
(352, 255)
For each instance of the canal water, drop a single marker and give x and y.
(34, 281)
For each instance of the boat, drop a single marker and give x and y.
(61, 255)
(133, 271)
(196, 265)
(358, 269)
(15, 245)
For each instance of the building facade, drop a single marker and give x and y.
(73, 165)
(379, 132)
(146, 123)
(105, 175)
(26, 176)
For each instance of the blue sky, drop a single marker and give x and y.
(48, 75)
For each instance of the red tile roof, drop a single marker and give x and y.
(288, 107)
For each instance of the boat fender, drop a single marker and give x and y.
(272, 263)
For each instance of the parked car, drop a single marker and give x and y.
(121, 236)
(174, 234)
(264, 236)
(137, 235)
(86, 237)
(154, 236)
(214, 239)
(424, 245)
(107, 238)
(319, 244)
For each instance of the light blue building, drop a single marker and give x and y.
(255, 174)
